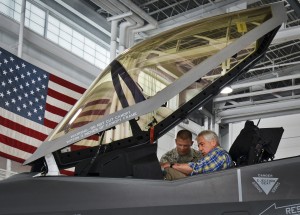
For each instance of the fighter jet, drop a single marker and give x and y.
(111, 134)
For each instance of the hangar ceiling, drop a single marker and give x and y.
(271, 88)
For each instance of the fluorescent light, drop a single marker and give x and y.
(226, 90)
(75, 116)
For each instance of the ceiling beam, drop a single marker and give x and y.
(286, 34)
(198, 13)
(250, 84)
(257, 93)
(86, 18)
(259, 111)
(295, 5)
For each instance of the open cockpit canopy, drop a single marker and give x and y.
(159, 81)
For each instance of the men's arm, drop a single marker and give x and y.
(213, 161)
(165, 165)
(165, 159)
(184, 168)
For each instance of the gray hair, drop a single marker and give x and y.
(209, 135)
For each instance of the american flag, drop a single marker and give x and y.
(32, 103)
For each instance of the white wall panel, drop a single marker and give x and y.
(165, 143)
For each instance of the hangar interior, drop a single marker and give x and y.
(77, 39)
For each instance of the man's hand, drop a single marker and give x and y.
(183, 168)
(165, 165)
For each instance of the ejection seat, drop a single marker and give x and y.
(255, 145)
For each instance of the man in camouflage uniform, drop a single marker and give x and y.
(183, 153)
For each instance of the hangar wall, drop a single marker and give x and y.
(45, 54)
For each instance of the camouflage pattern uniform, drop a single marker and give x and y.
(172, 156)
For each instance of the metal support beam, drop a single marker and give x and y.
(21, 29)
(250, 84)
(113, 39)
(119, 16)
(139, 12)
(196, 14)
(287, 34)
(281, 89)
(296, 6)
(259, 111)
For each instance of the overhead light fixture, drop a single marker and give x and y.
(226, 90)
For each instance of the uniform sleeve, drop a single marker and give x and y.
(165, 158)
(196, 156)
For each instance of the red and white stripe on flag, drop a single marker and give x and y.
(20, 136)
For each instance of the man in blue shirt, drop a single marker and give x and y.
(214, 158)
